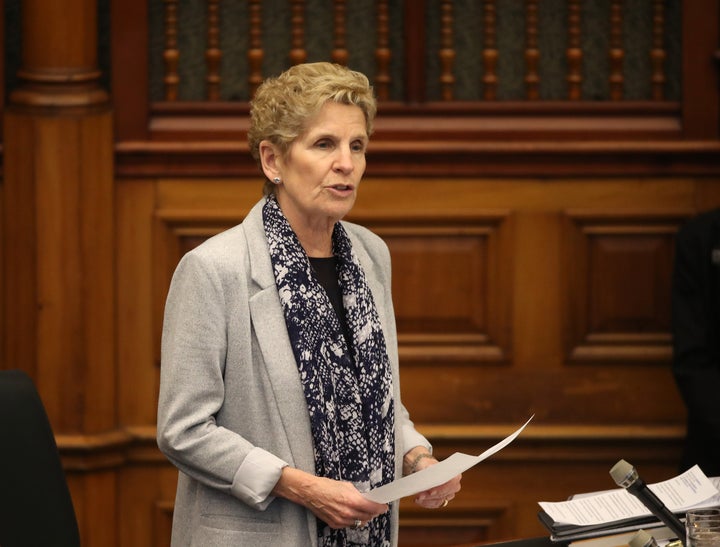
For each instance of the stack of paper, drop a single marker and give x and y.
(615, 511)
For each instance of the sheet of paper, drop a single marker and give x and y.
(678, 494)
(437, 474)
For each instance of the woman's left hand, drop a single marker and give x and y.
(438, 496)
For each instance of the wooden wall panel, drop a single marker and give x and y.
(146, 499)
(502, 288)
(618, 270)
(136, 332)
(452, 302)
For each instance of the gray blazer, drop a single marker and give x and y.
(232, 411)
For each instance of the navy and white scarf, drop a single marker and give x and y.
(348, 389)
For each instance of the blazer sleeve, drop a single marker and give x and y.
(194, 346)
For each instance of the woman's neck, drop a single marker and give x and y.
(316, 241)
(316, 247)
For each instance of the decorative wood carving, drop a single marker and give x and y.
(298, 53)
(574, 51)
(694, 111)
(171, 53)
(213, 53)
(447, 51)
(490, 52)
(617, 52)
(59, 68)
(532, 53)
(383, 54)
(657, 55)
(255, 51)
(339, 53)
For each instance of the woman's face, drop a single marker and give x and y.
(322, 169)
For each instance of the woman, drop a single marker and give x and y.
(279, 393)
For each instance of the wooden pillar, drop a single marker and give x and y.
(59, 306)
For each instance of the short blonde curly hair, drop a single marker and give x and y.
(281, 107)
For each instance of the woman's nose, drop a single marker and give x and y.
(344, 160)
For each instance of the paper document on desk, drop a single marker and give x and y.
(678, 494)
(437, 474)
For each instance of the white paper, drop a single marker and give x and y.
(678, 494)
(437, 474)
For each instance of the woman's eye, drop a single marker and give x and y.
(323, 144)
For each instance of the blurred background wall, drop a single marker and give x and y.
(531, 164)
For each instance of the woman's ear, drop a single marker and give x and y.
(270, 159)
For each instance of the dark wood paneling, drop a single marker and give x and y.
(452, 301)
(619, 267)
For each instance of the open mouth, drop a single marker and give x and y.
(341, 187)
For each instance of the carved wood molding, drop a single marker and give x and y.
(557, 433)
(503, 138)
(91, 452)
(429, 158)
(537, 443)
(556, 443)
(627, 120)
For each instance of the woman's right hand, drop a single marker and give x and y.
(337, 503)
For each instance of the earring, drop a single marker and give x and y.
(276, 180)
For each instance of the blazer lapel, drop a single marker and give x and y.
(269, 321)
(269, 327)
(372, 277)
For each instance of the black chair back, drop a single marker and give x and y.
(35, 505)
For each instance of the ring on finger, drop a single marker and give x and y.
(444, 503)
(357, 524)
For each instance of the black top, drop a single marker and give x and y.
(326, 274)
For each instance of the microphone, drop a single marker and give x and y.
(641, 538)
(626, 476)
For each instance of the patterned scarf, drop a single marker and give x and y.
(348, 389)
